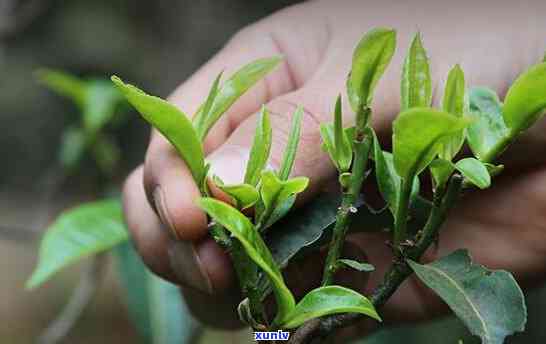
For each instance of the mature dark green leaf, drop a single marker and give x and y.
(329, 300)
(78, 233)
(292, 145)
(233, 89)
(274, 193)
(359, 266)
(474, 171)
(453, 103)
(371, 57)
(525, 102)
(64, 84)
(242, 229)
(441, 170)
(488, 129)
(73, 147)
(244, 195)
(489, 302)
(416, 86)
(261, 147)
(416, 137)
(171, 321)
(388, 181)
(172, 123)
(132, 274)
(342, 145)
(102, 99)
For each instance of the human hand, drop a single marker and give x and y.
(317, 40)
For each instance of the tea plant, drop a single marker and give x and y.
(424, 140)
(94, 228)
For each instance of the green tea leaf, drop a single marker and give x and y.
(64, 84)
(171, 321)
(73, 148)
(245, 195)
(488, 129)
(203, 111)
(259, 153)
(388, 181)
(359, 266)
(107, 154)
(172, 123)
(131, 273)
(489, 302)
(328, 145)
(525, 102)
(328, 300)
(475, 171)
(292, 145)
(342, 145)
(102, 99)
(494, 170)
(275, 192)
(78, 233)
(453, 103)
(416, 135)
(416, 89)
(241, 228)
(233, 89)
(441, 170)
(371, 57)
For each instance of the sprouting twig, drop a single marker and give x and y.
(397, 273)
(362, 144)
(90, 279)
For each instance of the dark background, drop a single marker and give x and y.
(156, 44)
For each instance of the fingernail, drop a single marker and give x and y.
(187, 266)
(160, 205)
(229, 163)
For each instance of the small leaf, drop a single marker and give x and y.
(102, 99)
(416, 135)
(240, 82)
(453, 103)
(245, 195)
(525, 102)
(292, 145)
(359, 266)
(489, 128)
(342, 145)
(388, 181)
(172, 123)
(475, 171)
(489, 302)
(494, 170)
(441, 170)
(78, 233)
(259, 153)
(329, 300)
(64, 84)
(416, 89)
(274, 193)
(328, 142)
(107, 154)
(241, 228)
(203, 111)
(371, 57)
(73, 148)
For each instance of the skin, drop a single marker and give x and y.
(503, 227)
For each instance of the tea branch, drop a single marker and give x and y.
(362, 144)
(396, 274)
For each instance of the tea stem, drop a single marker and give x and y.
(362, 144)
(396, 274)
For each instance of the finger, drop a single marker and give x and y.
(168, 183)
(201, 265)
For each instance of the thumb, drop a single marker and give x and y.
(230, 159)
